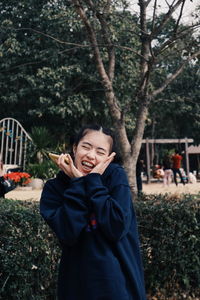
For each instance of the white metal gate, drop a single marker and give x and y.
(14, 141)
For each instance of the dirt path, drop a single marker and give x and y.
(20, 194)
(152, 188)
(158, 188)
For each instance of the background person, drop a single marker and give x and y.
(89, 207)
(176, 164)
(167, 167)
(139, 170)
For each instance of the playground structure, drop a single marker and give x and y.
(184, 141)
(14, 141)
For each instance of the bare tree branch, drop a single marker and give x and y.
(36, 62)
(112, 101)
(106, 34)
(92, 38)
(159, 50)
(145, 49)
(78, 45)
(154, 15)
(174, 38)
(175, 75)
(130, 49)
(166, 18)
(147, 2)
(179, 18)
(51, 37)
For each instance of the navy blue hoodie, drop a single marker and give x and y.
(94, 220)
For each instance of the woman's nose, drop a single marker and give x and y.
(91, 154)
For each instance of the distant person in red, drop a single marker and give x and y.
(176, 164)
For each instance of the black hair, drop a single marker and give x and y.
(95, 127)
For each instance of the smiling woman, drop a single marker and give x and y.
(89, 207)
(92, 150)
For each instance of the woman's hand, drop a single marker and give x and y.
(100, 168)
(68, 169)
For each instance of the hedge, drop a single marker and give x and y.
(170, 240)
(28, 253)
(170, 237)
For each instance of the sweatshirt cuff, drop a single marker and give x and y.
(76, 186)
(76, 180)
(93, 182)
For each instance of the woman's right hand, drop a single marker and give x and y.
(68, 169)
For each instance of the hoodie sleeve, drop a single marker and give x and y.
(65, 211)
(113, 206)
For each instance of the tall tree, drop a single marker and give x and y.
(97, 17)
(47, 69)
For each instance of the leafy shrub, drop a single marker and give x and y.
(41, 141)
(170, 238)
(28, 253)
(45, 170)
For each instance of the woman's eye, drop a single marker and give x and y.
(100, 153)
(85, 147)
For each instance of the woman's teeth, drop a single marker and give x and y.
(87, 164)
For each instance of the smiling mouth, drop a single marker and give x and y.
(87, 164)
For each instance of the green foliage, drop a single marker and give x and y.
(47, 69)
(175, 112)
(41, 141)
(41, 137)
(53, 82)
(28, 254)
(170, 234)
(170, 238)
(45, 170)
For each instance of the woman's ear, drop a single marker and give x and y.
(74, 149)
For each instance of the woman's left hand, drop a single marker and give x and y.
(69, 168)
(100, 168)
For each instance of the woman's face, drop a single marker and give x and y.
(92, 149)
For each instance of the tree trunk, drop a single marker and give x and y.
(130, 167)
(136, 143)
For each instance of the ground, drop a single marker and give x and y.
(151, 188)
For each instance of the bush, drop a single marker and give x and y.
(28, 253)
(45, 170)
(170, 237)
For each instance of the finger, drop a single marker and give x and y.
(63, 160)
(60, 158)
(70, 159)
(74, 170)
(111, 157)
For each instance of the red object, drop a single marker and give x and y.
(176, 159)
(19, 177)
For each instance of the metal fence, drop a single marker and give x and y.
(14, 141)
